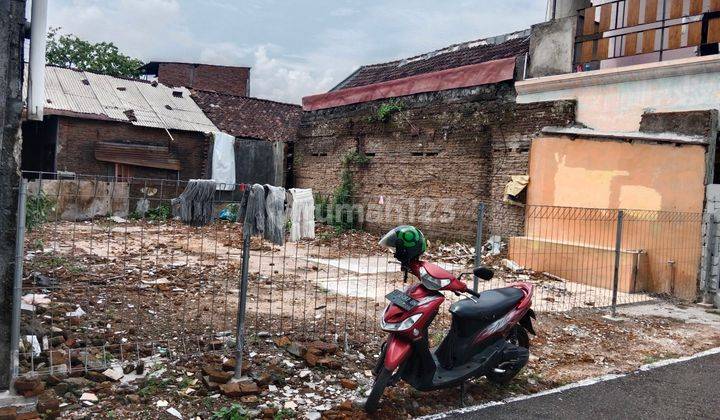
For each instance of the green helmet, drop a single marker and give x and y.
(407, 241)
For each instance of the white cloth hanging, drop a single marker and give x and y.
(301, 209)
(223, 161)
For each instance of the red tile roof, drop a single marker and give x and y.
(458, 55)
(247, 117)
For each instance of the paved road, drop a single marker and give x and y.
(687, 390)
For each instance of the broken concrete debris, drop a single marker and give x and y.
(239, 389)
(183, 387)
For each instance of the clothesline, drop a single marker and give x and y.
(265, 210)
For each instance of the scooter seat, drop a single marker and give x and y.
(491, 305)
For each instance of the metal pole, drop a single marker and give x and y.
(17, 281)
(242, 298)
(616, 273)
(662, 29)
(38, 42)
(478, 242)
(709, 260)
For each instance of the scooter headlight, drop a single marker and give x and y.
(431, 282)
(400, 326)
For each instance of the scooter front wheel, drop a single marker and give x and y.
(381, 382)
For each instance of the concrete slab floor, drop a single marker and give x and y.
(372, 264)
(688, 313)
(22, 404)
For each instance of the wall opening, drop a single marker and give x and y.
(39, 144)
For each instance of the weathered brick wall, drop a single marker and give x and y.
(223, 79)
(76, 148)
(459, 145)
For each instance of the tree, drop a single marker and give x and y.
(103, 57)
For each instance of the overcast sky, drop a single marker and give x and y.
(295, 47)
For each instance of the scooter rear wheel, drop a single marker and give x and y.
(381, 382)
(519, 337)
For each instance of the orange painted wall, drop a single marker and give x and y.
(613, 174)
(650, 179)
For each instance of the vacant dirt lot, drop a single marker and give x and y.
(104, 294)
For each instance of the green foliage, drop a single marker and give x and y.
(37, 210)
(153, 386)
(233, 412)
(102, 57)
(160, 213)
(340, 213)
(354, 158)
(285, 413)
(322, 204)
(47, 262)
(387, 109)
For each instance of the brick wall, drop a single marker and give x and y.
(459, 145)
(76, 150)
(224, 79)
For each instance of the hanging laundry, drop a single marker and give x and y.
(223, 161)
(255, 211)
(301, 213)
(275, 214)
(196, 202)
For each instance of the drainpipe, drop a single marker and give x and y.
(38, 41)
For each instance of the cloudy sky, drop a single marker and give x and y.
(295, 47)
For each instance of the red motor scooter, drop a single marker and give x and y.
(488, 335)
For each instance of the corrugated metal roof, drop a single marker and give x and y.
(154, 105)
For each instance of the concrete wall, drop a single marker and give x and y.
(458, 145)
(572, 175)
(710, 269)
(563, 8)
(552, 46)
(616, 99)
(12, 20)
(76, 200)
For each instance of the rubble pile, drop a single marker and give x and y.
(282, 379)
(455, 253)
(286, 378)
(349, 243)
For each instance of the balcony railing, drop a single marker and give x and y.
(625, 32)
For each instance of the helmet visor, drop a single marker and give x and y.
(388, 241)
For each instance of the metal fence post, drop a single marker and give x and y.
(616, 269)
(17, 281)
(478, 242)
(242, 302)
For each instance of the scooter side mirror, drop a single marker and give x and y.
(484, 273)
